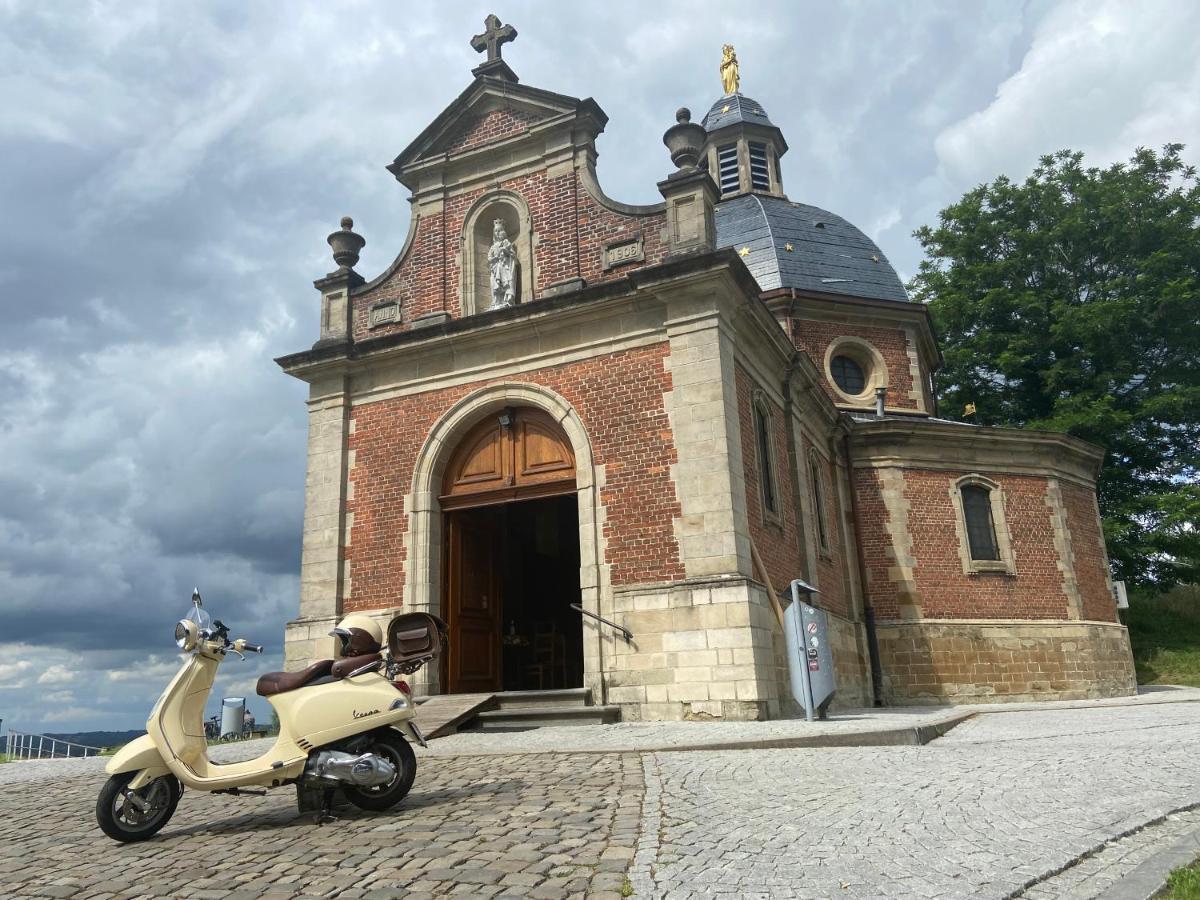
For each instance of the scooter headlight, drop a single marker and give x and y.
(185, 635)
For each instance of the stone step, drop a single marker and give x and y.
(536, 699)
(526, 718)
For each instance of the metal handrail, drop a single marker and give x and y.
(23, 745)
(625, 632)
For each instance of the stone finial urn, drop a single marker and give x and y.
(346, 244)
(685, 140)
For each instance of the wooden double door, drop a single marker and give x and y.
(515, 456)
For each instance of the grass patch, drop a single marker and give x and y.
(1184, 884)
(626, 887)
(1165, 633)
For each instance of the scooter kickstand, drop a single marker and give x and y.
(325, 813)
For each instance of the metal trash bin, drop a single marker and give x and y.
(810, 658)
(233, 712)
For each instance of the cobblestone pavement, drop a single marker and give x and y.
(538, 826)
(1017, 803)
(987, 811)
(632, 736)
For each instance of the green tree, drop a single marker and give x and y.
(1071, 302)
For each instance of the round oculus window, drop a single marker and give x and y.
(848, 375)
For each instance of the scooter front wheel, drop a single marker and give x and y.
(389, 745)
(126, 815)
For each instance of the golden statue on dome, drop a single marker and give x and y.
(730, 80)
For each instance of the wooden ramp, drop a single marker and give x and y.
(441, 714)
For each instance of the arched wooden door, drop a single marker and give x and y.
(518, 454)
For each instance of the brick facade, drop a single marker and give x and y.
(620, 400)
(570, 229)
(942, 590)
(1090, 558)
(776, 536)
(895, 345)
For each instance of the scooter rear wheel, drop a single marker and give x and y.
(129, 816)
(390, 745)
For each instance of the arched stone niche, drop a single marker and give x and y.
(512, 210)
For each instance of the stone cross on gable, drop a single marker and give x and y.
(494, 36)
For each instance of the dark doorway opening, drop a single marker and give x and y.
(513, 575)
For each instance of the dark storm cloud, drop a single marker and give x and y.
(171, 172)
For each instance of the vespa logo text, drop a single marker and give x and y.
(363, 715)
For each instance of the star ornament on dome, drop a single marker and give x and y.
(788, 247)
(725, 108)
(745, 251)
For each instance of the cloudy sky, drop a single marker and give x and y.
(170, 172)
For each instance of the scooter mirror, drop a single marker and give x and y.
(196, 596)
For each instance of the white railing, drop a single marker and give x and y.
(21, 745)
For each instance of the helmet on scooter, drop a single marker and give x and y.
(357, 635)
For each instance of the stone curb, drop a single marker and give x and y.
(1149, 878)
(912, 736)
(1149, 869)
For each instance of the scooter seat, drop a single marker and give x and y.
(347, 664)
(279, 682)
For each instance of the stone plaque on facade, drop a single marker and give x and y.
(384, 313)
(624, 251)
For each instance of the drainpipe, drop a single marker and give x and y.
(794, 454)
(868, 609)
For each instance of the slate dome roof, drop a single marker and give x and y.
(732, 109)
(827, 253)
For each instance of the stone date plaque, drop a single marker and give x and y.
(624, 251)
(384, 314)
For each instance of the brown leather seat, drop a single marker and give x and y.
(346, 665)
(278, 682)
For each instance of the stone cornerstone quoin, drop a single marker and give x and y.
(676, 408)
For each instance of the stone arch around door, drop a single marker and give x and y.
(423, 588)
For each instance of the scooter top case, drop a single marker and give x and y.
(415, 639)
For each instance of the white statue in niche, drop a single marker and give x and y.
(502, 266)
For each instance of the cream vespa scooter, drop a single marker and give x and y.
(341, 725)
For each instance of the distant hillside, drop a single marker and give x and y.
(100, 738)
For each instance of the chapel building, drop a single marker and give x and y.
(556, 418)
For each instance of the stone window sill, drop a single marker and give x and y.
(990, 567)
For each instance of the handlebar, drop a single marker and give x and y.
(252, 648)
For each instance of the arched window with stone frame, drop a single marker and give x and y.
(763, 423)
(477, 236)
(984, 542)
(817, 490)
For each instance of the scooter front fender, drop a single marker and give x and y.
(139, 755)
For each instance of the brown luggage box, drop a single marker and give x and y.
(414, 639)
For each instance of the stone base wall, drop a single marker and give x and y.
(851, 664)
(307, 640)
(702, 649)
(981, 662)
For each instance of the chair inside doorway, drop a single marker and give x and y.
(542, 641)
(512, 558)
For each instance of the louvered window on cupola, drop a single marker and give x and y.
(760, 176)
(727, 168)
